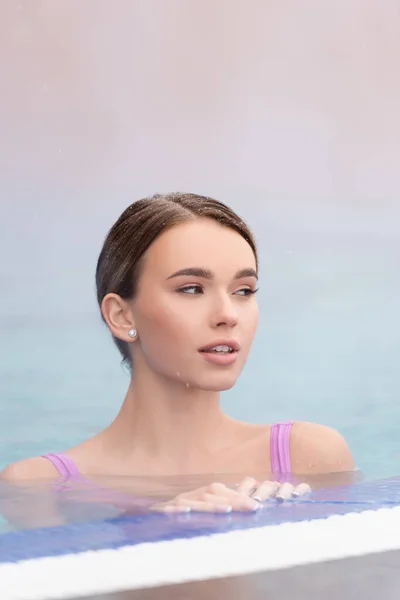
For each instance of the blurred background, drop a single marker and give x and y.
(289, 112)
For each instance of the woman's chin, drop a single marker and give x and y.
(218, 384)
(209, 382)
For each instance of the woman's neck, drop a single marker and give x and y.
(170, 425)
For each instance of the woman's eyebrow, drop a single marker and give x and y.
(207, 274)
(246, 273)
(193, 272)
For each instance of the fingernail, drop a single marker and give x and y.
(298, 494)
(224, 509)
(250, 503)
(303, 489)
(177, 509)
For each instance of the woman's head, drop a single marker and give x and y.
(181, 270)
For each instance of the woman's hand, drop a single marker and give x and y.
(217, 497)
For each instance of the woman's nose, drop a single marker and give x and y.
(224, 313)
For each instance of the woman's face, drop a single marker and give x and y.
(194, 310)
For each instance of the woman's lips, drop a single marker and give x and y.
(220, 358)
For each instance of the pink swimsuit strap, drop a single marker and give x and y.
(63, 463)
(280, 448)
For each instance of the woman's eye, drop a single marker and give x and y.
(190, 289)
(197, 289)
(246, 292)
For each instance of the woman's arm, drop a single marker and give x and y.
(26, 497)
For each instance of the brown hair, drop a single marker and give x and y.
(139, 226)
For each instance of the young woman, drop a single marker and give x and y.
(176, 283)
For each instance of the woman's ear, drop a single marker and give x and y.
(118, 315)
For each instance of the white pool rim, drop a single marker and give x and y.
(205, 557)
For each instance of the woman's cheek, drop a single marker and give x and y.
(166, 324)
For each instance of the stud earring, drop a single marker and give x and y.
(132, 333)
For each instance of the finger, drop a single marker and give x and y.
(301, 490)
(170, 508)
(267, 489)
(219, 489)
(239, 502)
(231, 497)
(284, 492)
(218, 493)
(204, 506)
(247, 486)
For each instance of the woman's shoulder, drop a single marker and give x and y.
(316, 448)
(49, 466)
(27, 469)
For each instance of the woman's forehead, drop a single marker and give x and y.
(201, 243)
